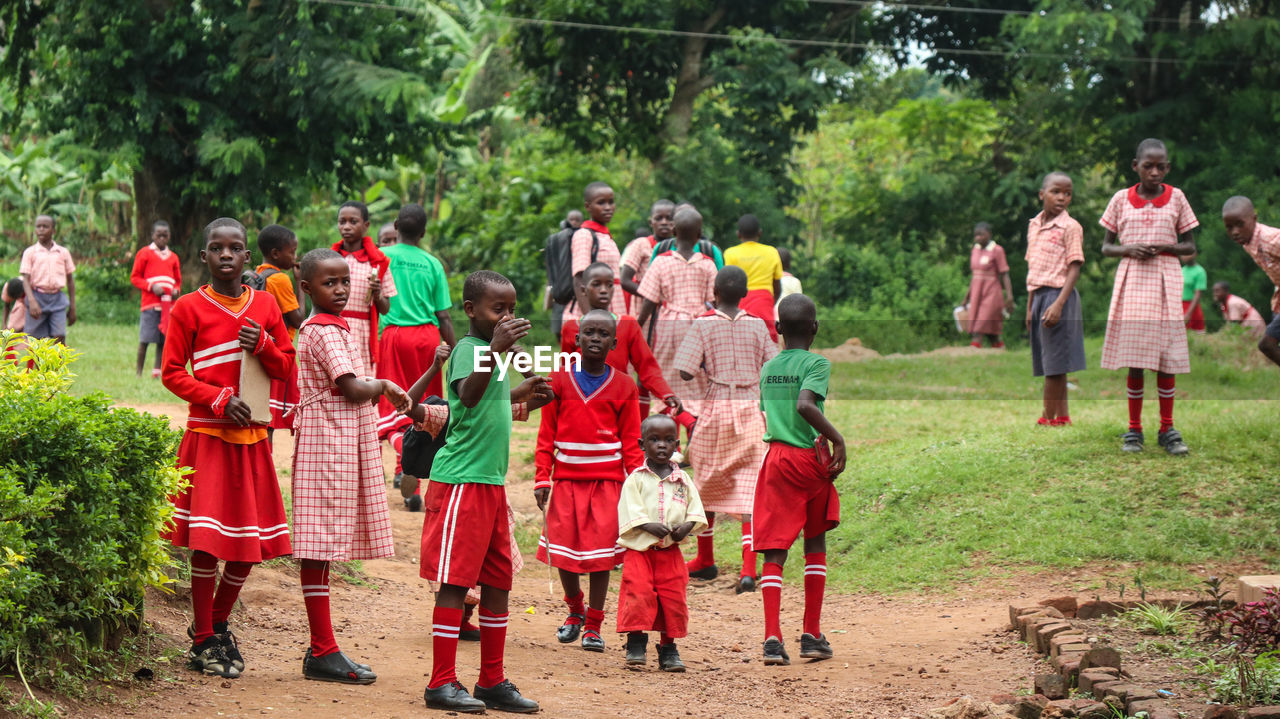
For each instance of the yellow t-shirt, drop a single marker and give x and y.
(761, 263)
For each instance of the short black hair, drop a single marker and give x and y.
(983, 227)
(653, 419)
(785, 255)
(411, 222)
(275, 237)
(13, 288)
(592, 188)
(158, 224)
(596, 267)
(1223, 284)
(599, 314)
(571, 213)
(662, 205)
(479, 282)
(731, 283)
(1237, 203)
(687, 219)
(749, 227)
(1053, 176)
(795, 311)
(1151, 144)
(222, 222)
(641, 232)
(364, 209)
(311, 260)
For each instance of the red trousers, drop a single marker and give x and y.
(652, 595)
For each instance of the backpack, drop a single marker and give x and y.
(256, 280)
(419, 449)
(704, 246)
(559, 259)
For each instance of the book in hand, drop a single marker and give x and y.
(823, 449)
(255, 388)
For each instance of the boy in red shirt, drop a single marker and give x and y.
(158, 273)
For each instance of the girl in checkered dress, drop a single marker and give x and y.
(1148, 226)
(339, 502)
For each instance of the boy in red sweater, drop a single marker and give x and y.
(232, 510)
(158, 273)
(588, 443)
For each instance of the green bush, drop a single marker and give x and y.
(104, 294)
(83, 497)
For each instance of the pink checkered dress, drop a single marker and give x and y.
(1144, 327)
(681, 288)
(727, 447)
(339, 497)
(359, 294)
(1264, 248)
(606, 252)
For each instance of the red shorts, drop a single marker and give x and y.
(582, 526)
(284, 398)
(793, 493)
(466, 539)
(404, 354)
(1197, 316)
(652, 595)
(760, 304)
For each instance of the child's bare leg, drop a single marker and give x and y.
(570, 582)
(976, 339)
(159, 353)
(142, 357)
(1055, 395)
(599, 586)
(1270, 348)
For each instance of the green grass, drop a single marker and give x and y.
(950, 481)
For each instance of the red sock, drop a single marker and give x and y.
(595, 619)
(233, 576)
(315, 594)
(815, 583)
(493, 641)
(396, 440)
(771, 591)
(748, 555)
(467, 611)
(706, 548)
(575, 607)
(445, 624)
(204, 575)
(1164, 386)
(1135, 402)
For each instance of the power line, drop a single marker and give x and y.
(974, 10)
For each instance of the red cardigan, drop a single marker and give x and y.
(589, 438)
(150, 269)
(631, 350)
(205, 334)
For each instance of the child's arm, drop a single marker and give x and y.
(641, 359)
(138, 278)
(807, 407)
(33, 304)
(71, 297)
(632, 516)
(534, 391)
(507, 332)
(1053, 312)
(446, 327)
(646, 310)
(695, 516)
(271, 347)
(419, 387)
(544, 454)
(1112, 248)
(1186, 244)
(356, 389)
(691, 353)
(629, 431)
(629, 280)
(176, 379)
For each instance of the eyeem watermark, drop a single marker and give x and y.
(542, 360)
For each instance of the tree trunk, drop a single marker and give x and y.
(689, 84)
(156, 197)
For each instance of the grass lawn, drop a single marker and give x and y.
(950, 480)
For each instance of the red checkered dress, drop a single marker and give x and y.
(606, 252)
(727, 448)
(359, 294)
(681, 288)
(1144, 327)
(1264, 248)
(986, 296)
(339, 499)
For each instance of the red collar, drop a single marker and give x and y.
(595, 226)
(1139, 202)
(369, 252)
(324, 318)
(653, 241)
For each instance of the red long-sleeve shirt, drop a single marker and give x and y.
(151, 267)
(631, 351)
(591, 437)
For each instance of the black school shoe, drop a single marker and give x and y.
(569, 630)
(745, 584)
(775, 653)
(452, 697)
(710, 572)
(505, 698)
(1172, 442)
(592, 641)
(395, 482)
(637, 642)
(336, 667)
(669, 658)
(413, 503)
(209, 657)
(228, 640)
(1133, 441)
(812, 647)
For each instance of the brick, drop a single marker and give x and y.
(1029, 630)
(1068, 667)
(1049, 631)
(1030, 707)
(1051, 685)
(1069, 657)
(1066, 605)
(1139, 694)
(1262, 713)
(1249, 589)
(1219, 711)
(1132, 707)
(1119, 690)
(1100, 657)
(1099, 689)
(1075, 648)
(1163, 713)
(1016, 610)
(1088, 677)
(1074, 636)
(1092, 609)
(1060, 709)
(1003, 699)
(1087, 709)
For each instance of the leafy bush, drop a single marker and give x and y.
(104, 294)
(1155, 619)
(1249, 682)
(1255, 626)
(83, 497)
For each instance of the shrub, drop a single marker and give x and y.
(83, 497)
(1253, 626)
(1249, 682)
(104, 294)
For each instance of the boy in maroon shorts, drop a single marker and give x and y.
(799, 471)
(466, 539)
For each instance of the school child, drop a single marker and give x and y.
(679, 285)
(232, 510)
(12, 295)
(796, 489)
(763, 265)
(1055, 253)
(727, 347)
(416, 322)
(990, 278)
(592, 243)
(279, 248)
(790, 283)
(1148, 226)
(705, 246)
(46, 271)
(372, 286)
(658, 508)
(465, 536)
(339, 504)
(631, 352)
(387, 235)
(1263, 245)
(1195, 281)
(635, 258)
(588, 442)
(158, 273)
(1237, 309)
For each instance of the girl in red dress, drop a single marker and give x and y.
(990, 292)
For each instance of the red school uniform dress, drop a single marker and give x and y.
(361, 314)
(1238, 309)
(1264, 248)
(681, 288)
(1145, 327)
(602, 249)
(986, 297)
(155, 266)
(339, 498)
(233, 508)
(588, 442)
(636, 256)
(631, 352)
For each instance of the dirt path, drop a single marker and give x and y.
(893, 657)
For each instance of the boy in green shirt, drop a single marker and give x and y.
(1195, 281)
(799, 471)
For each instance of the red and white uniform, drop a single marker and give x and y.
(1238, 309)
(1145, 327)
(233, 508)
(636, 256)
(1264, 248)
(681, 288)
(587, 444)
(339, 497)
(155, 266)
(632, 352)
(727, 449)
(794, 494)
(606, 252)
(361, 314)
(986, 296)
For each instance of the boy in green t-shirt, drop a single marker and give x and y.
(799, 471)
(1195, 281)
(466, 538)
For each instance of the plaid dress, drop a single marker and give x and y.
(339, 497)
(360, 302)
(681, 288)
(727, 449)
(986, 295)
(606, 252)
(1264, 248)
(1144, 326)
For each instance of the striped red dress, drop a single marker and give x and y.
(1145, 327)
(728, 448)
(339, 497)
(681, 288)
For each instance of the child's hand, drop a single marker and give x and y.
(535, 387)
(71, 315)
(674, 403)
(836, 465)
(398, 398)
(238, 410)
(508, 332)
(1028, 322)
(541, 495)
(249, 336)
(657, 529)
(679, 533)
(375, 286)
(1051, 315)
(158, 289)
(442, 354)
(1140, 252)
(33, 308)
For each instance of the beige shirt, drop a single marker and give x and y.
(646, 498)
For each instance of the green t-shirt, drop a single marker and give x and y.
(1193, 278)
(479, 438)
(781, 380)
(422, 290)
